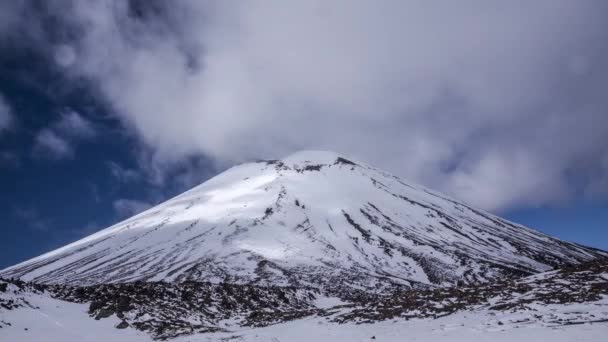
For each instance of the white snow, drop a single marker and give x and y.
(58, 321)
(453, 329)
(324, 302)
(226, 221)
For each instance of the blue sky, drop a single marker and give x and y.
(582, 222)
(109, 107)
(51, 197)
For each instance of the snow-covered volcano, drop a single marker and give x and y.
(315, 219)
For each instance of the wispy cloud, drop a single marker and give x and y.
(6, 116)
(598, 185)
(50, 145)
(87, 229)
(128, 207)
(9, 159)
(57, 141)
(32, 219)
(95, 193)
(123, 174)
(74, 125)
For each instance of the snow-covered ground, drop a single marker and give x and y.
(452, 329)
(52, 320)
(59, 321)
(459, 327)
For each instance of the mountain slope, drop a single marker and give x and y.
(314, 219)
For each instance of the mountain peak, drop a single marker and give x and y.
(311, 219)
(312, 157)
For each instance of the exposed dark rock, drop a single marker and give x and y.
(166, 310)
(344, 161)
(122, 325)
(316, 167)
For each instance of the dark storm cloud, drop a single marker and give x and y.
(500, 103)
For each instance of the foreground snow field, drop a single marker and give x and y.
(55, 320)
(59, 321)
(570, 304)
(460, 327)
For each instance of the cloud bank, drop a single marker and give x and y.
(498, 103)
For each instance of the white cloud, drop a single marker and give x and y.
(493, 102)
